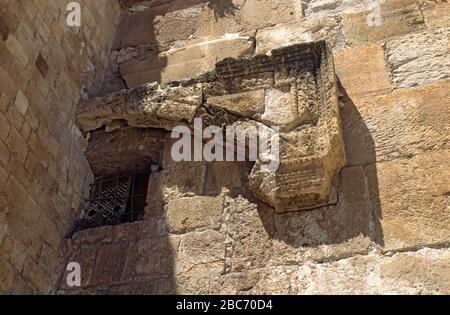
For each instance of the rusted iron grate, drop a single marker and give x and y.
(114, 200)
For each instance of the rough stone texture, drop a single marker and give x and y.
(301, 102)
(354, 70)
(124, 151)
(401, 124)
(396, 17)
(436, 13)
(187, 214)
(388, 202)
(422, 272)
(46, 67)
(415, 213)
(306, 30)
(185, 62)
(150, 105)
(419, 58)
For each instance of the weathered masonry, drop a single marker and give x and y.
(294, 89)
(357, 93)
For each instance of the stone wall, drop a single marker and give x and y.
(204, 232)
(46, 67)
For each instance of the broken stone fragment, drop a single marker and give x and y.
(148, 106)
(284, 105)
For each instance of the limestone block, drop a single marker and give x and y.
(423, 272)
(398, 125)
(109, 263)
(258, 14)
(332, 7)
(182, 23)
(151, 258)
(436, 14)
(259, 237)
(280, 108)
(185, 62)
(303, 31)
(415, 212)
(188, 214)
(225, 177)
(390, 18)
(419, 58)
(173, 183)
(201, 252)
(362, 70)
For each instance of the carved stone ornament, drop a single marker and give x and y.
(293, 89)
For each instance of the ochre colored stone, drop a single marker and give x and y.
(383, 20)
(188, 214)
(183, 63)
(355, 70)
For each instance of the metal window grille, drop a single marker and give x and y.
(114, 200)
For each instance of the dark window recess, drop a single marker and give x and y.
(114, 200)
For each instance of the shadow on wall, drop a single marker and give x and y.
(144, 258)
(147, 34)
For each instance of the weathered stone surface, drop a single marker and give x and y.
(422, 272)
(184, 63)
(304, 177)
(161, 286)
(397, 125)
(6, 277)
(225, 177)
(173, 183)
(332, 7)
(258, 237)
(281, 107)
(303, 95)
(436, 13)
(201, 252)
(245, 104)
(257, 14)
(146, 106)
(84, 255)
(151, 258)
(188, 214)
(124, 150)
(138, 4)
(354, 70)
(303, 31)
(110, 263)
(44, 70)
(419, 59)
(182, 23)
(381, 20)
(416, 212)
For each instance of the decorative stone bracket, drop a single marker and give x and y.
(293, 89)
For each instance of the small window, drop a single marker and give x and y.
(114, 200)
